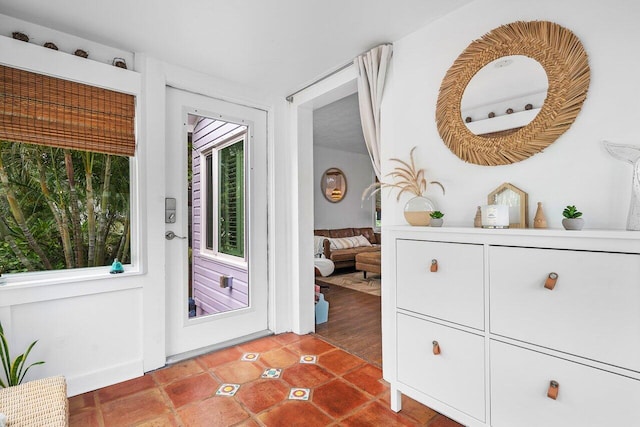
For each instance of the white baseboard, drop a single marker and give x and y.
(105, 377)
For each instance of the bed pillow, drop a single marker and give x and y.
(348, 242)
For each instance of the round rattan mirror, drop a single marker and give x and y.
(563, 58)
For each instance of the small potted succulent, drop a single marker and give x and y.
(572, 220)
(436, 218)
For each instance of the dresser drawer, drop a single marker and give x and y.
(454, 292)
(586, 396)
(593, 311)
(455, 376)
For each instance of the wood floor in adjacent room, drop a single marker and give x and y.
(354, 323)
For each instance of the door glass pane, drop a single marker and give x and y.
(219, 265)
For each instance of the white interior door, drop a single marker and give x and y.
(218, 267)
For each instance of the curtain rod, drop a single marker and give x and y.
(326, 76)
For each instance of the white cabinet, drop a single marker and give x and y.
(442, 280)
(503, 336)
(520, 381)
(454, 373)
(593, 310)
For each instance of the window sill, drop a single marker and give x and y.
(49, 278)
(242, 265)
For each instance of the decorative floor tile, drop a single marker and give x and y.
(191, 389)
(338, 398)
(307, 376)
(308, 358)
(250, 357)
(279, 358)
(339, 361)
(272, 373)
(262, 394)
(299, 394)
(239, 372)
(273, 391)
(227, 389)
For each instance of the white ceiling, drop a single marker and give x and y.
(337, 126)
(275, 45)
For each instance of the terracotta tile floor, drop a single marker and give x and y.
(265, 382)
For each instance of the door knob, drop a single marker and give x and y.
(170, 235)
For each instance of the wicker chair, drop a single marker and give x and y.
(39, 403)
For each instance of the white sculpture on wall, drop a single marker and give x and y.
(631, 154)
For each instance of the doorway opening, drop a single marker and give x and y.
(307, 107)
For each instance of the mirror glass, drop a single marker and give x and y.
(333, 185)
(504, 95)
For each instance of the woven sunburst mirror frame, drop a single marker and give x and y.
(564, 59)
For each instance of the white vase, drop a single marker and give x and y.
(436, 222)
(417, 210)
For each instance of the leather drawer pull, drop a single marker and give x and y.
(554, 387)
(434, 265)
(550, 283)
(436, 348)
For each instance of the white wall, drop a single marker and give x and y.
(350, 211)
(89, 324)
(98, 329)
(573, 170)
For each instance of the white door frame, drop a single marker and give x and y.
(333, 88)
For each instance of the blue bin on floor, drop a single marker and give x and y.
(322, 309)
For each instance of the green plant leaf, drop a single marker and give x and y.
(26, 370)
(24, 360)
(13, 379)
(4, 355)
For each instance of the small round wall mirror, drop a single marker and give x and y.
(334, 185)
(546, 45)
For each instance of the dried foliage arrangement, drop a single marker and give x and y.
(408, 179)
(565, 61)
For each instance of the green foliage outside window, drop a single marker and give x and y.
(231, 200)
(61, 208)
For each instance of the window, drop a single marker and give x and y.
(377, 211)
(225, 199)
(64, 173)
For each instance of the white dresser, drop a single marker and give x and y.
(510, 328)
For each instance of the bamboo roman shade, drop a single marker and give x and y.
(44, 110)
